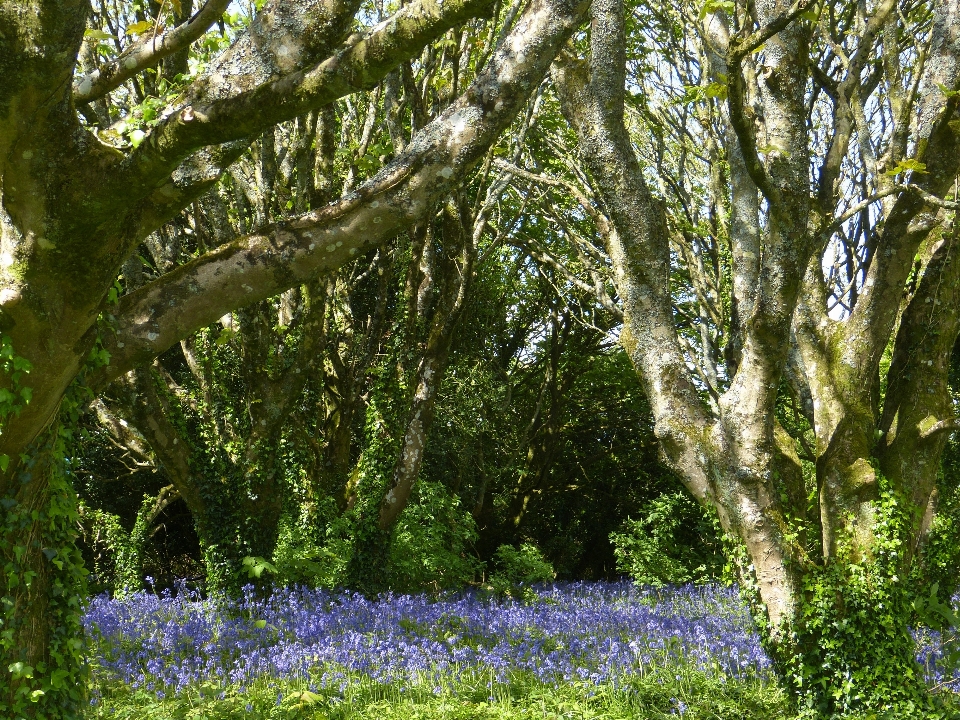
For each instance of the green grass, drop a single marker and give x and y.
(654, 696)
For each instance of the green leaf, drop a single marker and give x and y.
(26, 393)
(98, 34)
(137, 136)
(712, 6)
(306, 697)
(4, 462)
(23, 364)
(947, 91)
(716, 90)
(260, 624)
(908, 165)
(20, 670)
(139, 28)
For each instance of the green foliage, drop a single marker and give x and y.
(908, 165)
(384, 424)
(304, 557)
(14, 395)
(432, 543)
(254, 567)
(56, 686)
(515, 569)
(48, 686)
(849, 649)
(939, 554)
(118, 553)
(656, 695)
(675, 542)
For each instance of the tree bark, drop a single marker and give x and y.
(736, 457)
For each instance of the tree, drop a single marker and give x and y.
(76, 206)
(839, 126)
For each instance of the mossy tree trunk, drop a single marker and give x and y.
(41, 642)
(74, 208)
(829, 575)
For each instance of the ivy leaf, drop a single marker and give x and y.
(22, 364)
(27, 394)
(20, 670)
(4, 462)
(947, 91)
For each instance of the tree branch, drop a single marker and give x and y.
(941, 426)
(144, 53)
(742, 45)
(259, 266)
(358, 67)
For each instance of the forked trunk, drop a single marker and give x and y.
(825, 553)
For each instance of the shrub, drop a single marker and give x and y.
(432, 542)
(311, 550)
(516, 569)
(676, 542)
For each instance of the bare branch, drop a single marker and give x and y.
(929, 197)
(742, 46)
(940, 427)
(832, 227)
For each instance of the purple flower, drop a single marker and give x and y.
(591, 633)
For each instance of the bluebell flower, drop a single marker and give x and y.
(585, 632)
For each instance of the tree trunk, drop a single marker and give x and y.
(830, 591)
(41, 646)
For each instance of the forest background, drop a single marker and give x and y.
(415, 297)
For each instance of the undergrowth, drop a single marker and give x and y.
(654, 696)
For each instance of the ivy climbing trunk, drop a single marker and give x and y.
(826, 559)
(41, 643)
(75, 208)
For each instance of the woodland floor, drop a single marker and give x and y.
(580, 650)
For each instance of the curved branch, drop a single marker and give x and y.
(259, 266)
(145, 53)
(360, 66)
(940, 427)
